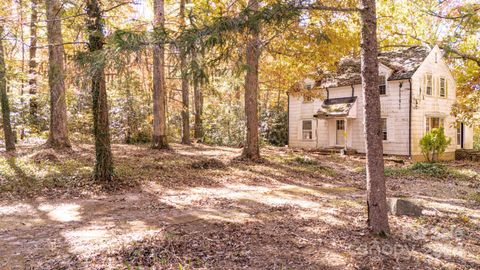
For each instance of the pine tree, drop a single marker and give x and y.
(376, 190)
(252, 149)
(159, 89)
(104, 164)
(58, 135)
(7, 127)
(185, 91)
(32, 64)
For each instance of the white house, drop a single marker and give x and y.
(417, 91)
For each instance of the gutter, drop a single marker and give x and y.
(410, 121)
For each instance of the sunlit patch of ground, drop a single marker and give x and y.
(200, 207)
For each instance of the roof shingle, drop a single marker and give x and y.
(404, 62)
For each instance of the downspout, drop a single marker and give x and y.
(400, 95)
(353, 90)
(410, 121)
(316, 133)
(288, 119)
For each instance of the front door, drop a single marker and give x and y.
(340, 130)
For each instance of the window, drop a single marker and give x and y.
(308, 85)
(307, 132)
(340, 125)
(429, 86)
(384, 129)
(443, 87)
(436, 57)
(459, 134)
(382, 86)
(433, 122)
(307, 97)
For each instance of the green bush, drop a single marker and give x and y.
(305, 160)
(430, 169)
(434, 143)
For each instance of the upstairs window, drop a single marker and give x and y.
(307, 96)
(382, 85)
(307, 131)
(429, 86)
(459, 134)
(384, 129)
(443, 87)
(433, 122)
(308, 85)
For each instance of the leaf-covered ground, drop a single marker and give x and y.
(199, 207)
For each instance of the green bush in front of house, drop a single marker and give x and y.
(434, 143)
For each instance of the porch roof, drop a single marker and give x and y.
(336, 107)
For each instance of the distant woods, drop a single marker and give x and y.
(188, 71)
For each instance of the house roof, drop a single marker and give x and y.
(335, 107)
(404, 62)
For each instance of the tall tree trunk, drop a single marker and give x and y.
(251, 149)
(32, 64)
(185, 94)
(7, 127)
(58, 136)
(22, 80)
(104, 163)
(376, 191)
(22, 40)
(130, 110)
(198, 96)
(159, 89)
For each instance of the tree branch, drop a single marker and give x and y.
(447, 49)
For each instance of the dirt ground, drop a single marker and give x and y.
(199, 207)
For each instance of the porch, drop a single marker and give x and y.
(338, 116)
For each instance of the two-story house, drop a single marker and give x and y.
(417, 91)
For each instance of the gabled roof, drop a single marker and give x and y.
(403, 62)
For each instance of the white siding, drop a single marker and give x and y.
(395, 108)
(434, 105)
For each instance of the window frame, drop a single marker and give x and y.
(429, 76)
(384, 128)
(444, 79)
(310, 131)
(429, 123)
(384, 84)
(459, 134)
(307, 99)
(308, 87)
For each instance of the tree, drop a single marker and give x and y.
(104, 164)
(251, 149)
(159, 89)
(7, 127)
(32, 63)
(185, 93)
(58, 135)
(198, 100)
(376, 190)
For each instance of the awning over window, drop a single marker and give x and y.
(336, 107)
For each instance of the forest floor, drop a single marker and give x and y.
(199, 207)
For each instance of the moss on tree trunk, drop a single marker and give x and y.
(104, 164)
(7, 127)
